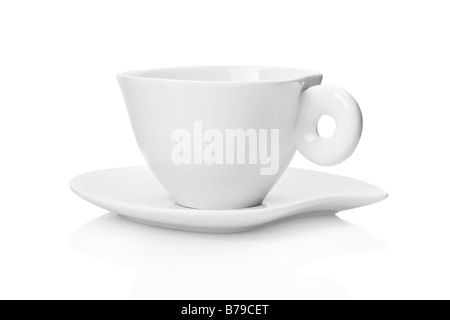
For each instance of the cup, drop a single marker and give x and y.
(219, 137)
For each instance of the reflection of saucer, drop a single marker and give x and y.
(135, 193)
(268, 263)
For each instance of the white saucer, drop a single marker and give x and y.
(134, 193)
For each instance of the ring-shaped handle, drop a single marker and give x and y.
(341, 106)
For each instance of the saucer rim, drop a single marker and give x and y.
(228, 220)
(375, 197)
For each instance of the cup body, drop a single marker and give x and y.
(216, 137)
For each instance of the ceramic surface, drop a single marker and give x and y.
(134, 192)
(208, 102)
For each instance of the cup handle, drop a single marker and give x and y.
(342, 107)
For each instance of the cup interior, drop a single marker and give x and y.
(224, 74)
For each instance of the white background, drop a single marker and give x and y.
(62, 114)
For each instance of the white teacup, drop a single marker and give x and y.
(219, 137)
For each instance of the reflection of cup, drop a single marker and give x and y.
(261, 264)
(220, 137)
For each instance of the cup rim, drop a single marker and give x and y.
(285, 74)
